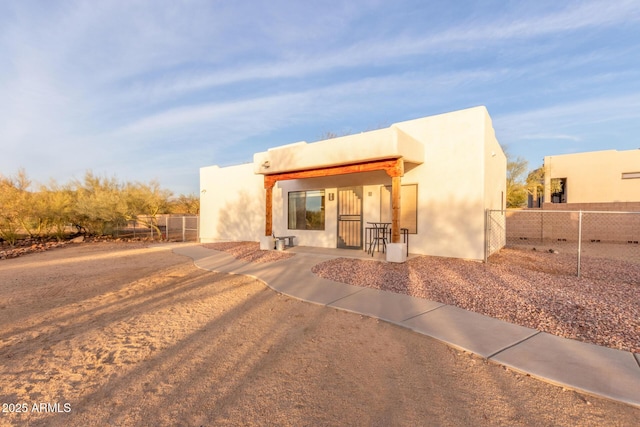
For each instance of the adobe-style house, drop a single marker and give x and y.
(433, 177)
(596, 180)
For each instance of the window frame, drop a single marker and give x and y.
(561, 195)
(388, 188)
(319, 193)
(630, 175)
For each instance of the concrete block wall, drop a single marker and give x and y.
(608, 206)
(548, 225)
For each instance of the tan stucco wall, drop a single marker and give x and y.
(463, 173)
(595, 177)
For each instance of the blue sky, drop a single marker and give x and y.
(156, 89)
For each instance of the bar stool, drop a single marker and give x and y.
(405, 237)
(368, 238)
(379, 237)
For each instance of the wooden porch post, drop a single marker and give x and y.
(395, 209)
(268, 186)
(396, 173)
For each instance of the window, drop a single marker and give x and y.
(558, 190)
(306, 210)
(630, 175)
(408, 206)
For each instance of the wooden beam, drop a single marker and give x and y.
(396, 186)
(391, 166)
(269, 181)
(268, 226)
(397, 169)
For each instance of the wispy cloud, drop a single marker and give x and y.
(546, 136)
(95, 84)
(584, 124)
(373, 51)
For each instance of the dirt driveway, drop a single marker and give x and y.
(124, 334)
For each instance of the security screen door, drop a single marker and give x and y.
(350, 218)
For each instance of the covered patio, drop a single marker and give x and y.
(384, 150)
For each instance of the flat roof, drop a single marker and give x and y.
(388, 143)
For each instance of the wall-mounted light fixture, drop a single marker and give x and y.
(331, 197)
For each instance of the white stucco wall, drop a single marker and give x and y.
(495, 190)
(367, 146)
(463, 173)
(232, 204)
(452, 191)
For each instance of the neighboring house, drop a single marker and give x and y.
(604, 185)
(597, 180)
(434, 176)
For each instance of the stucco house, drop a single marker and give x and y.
(433, 176)
(595, 180)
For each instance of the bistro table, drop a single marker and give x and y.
(377, 235)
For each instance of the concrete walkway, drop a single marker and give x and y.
(600, 371)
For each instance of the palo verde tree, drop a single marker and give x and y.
(99, 205)
(145, 201)
(535, 183)
(185, 204)
(59, 203)
(516, 187)
(10, 202)
(19, 208)
(95, 205)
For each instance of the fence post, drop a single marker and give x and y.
(486, 235)
(579, 240)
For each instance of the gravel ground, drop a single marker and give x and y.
(534, 289)
(7, 251)
(131, 334)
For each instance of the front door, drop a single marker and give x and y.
(350, 218)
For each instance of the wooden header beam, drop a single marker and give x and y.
(393, 167)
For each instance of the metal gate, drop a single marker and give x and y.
(350, 218)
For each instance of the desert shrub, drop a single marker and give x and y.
(14, 205)
(94, 205)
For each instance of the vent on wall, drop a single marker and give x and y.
(630, 175)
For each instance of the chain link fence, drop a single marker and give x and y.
(495, 232)
(162, 227)
(588, 235)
